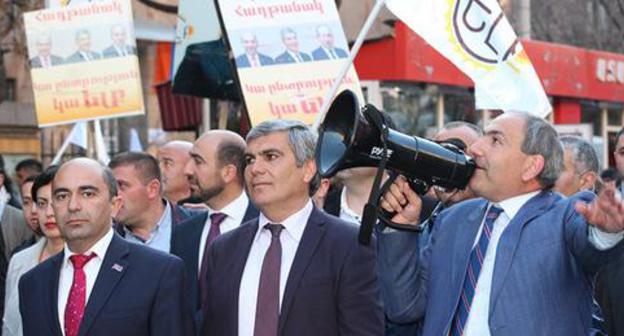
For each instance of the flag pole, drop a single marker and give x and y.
(345, 68)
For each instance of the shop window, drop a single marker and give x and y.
(412, 106)
(459, 105)
(590, 114)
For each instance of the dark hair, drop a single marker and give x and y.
(28, 180)
(43, 179)
(232, 152)
(109, 180)
(145, 164)
(618, 135)
(33, 166)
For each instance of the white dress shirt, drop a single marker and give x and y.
(289, 239)
(91, 270)
(296, 56)
(477, 323)
(345, 212)
(235, 212)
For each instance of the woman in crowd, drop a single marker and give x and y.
(50, 244)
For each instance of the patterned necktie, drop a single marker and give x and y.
(216, 219)
(332, 53)
(267, 307)
(472, 273)
(77, 295)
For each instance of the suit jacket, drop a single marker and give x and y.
(77, 57)
(543, 276)
(111, 51)
(185, 243)
(285, 58)
(35, 62)
(610, 296)
(146, 296)
(319, 54)
(331, 289)
(242, 61)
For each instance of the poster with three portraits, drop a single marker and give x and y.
(83, 61)
(287, 55)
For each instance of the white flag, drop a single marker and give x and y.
(476, 37)
(100, 146)
(135, 141)
(78, 135)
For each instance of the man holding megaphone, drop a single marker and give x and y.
(518, 260)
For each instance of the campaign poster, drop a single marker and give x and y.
(84, 62)
(287, 54)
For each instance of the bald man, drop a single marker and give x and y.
(172, 159)
(215, 173)
(100, 284)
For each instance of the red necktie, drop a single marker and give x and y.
(77, 294)
(216, 219)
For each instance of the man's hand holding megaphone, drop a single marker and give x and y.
(403, 202)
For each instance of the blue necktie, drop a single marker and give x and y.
(472, 273)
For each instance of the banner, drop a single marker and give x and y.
(287, 54)
(476, 37)
(83, 62)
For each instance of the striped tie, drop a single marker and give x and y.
(472, 273)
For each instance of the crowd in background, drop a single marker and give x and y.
(234, 236)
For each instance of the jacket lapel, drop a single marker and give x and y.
(310, 239)
(238, 260)
(57, 261)
(464, 243)
(112, 270)
(508, 242)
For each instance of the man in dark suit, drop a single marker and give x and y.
(44, 58)
(522, 258)
(101, 284)
(83, 44)
(327, 50)
(215, 173)
(251, 57)
(294, 270)
(145, 217)
(119, 48)
(292, 53)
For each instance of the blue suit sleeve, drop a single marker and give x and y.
(403, 269)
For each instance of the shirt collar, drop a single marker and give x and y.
(296, 56)
(293, 225)
(163, 223)
(99, 248)
(233, 210)
(512, 205)
(345, 207)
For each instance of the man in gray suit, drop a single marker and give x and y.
(518, 260)
(84, 53)
(44, 58)
(119, 48)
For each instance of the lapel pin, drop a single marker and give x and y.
(117, 267)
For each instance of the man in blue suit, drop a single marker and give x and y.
(294, 270)
(519, 260)
(101, 284)
(215, 174)
(292, 53)
(251, 57)
(327, 50)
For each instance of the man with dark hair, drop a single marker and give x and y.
(29, 209)
(145, 216)
(27, 168)
(520, 259)
(100, 284)
(215, 173)
(294, 269)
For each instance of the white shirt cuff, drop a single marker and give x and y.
(604, 240)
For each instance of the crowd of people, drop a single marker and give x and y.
(241, 236)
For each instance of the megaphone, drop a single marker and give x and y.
(348, 138)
